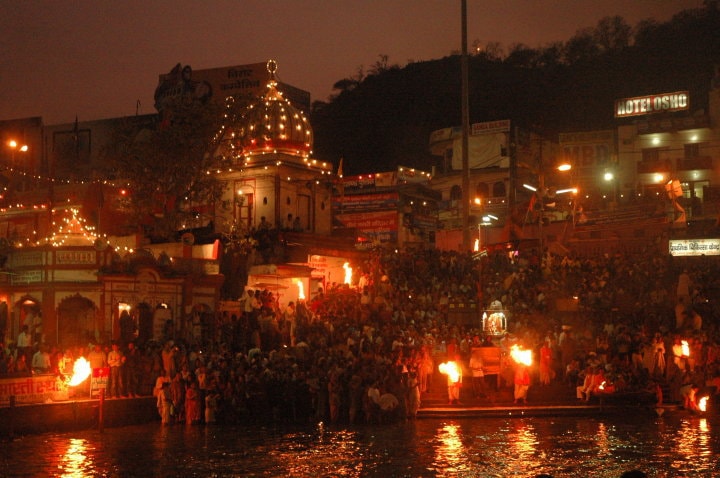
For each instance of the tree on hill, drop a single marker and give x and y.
(384, 118)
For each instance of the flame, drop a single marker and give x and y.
(685, 348)
(348, 273)
(476, 247)
(451, 370)
(81, 371)
(702, 404)
(602, 385)
(521, 356)
(301, 290)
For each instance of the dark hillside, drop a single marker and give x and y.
(384, 119)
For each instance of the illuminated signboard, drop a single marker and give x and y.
(695, 247)
(380, 226)
(488, 127)
(241, 81)
(643, 105)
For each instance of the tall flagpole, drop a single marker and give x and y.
(465, 132)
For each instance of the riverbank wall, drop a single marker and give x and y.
(75, 415)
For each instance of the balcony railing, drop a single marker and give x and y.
(701, 162)
(656, 166)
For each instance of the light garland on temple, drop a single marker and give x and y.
(48, 179)
(270, 126)
(71, 229)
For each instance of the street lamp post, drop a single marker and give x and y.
(486, 221)
(465, 113)
(610, 178)
(540, 194)
(14, 147)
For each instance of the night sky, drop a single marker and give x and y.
(96, 59)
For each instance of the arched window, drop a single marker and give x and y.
(499, 189)
(482, 190)
(456, 193)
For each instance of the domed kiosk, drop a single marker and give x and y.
(273, 176)
(274, 125)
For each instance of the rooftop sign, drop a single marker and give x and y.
(644, 105)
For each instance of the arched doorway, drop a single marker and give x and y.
(145, 322)
(76, 322)
(163, 324)
(201, 324)
(30, 315)
(4, 321)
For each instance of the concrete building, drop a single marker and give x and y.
(391, 209)
(645, 178)
(70, 256)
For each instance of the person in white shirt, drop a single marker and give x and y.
(478, 375)
(41, 360)
(115, 360)
(24, 342)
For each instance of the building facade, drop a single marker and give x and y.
(640, 180)
(83, 285)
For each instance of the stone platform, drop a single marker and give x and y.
(556, 399)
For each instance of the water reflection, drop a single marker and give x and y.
(75, 463)
(692, 442)
(664, 447)
(450, 454)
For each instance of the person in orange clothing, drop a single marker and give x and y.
(545, 363)
(522, 384)
(454, 383)
(192, 404)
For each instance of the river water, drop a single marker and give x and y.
(671, 446)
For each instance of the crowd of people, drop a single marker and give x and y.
(368, 353)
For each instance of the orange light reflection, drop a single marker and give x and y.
(693, 441)
(450, 453)
(74, 462)
(523, 442)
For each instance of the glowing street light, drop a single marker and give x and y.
(486, 220)
(609, 176)
(15, 146)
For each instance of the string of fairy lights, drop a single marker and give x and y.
(72, 230)
(271, 127)
(126, 187)
(62, 181)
